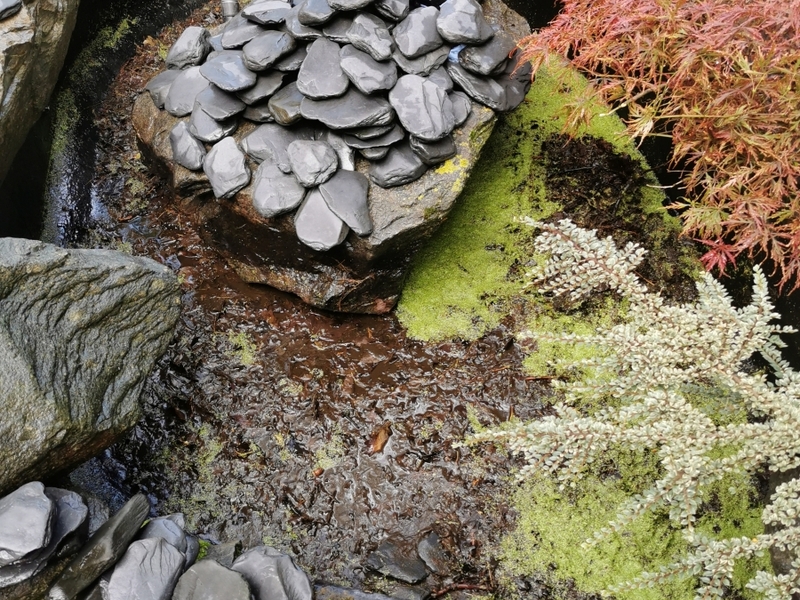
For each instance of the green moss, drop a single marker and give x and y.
(204, 546)
(243, 347)
(466, 279)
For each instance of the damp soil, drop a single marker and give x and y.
(323, 434)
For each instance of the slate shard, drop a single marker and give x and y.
(336, 29)
(422, 107)
(149, 570)
(394, 10)
(227, 71)
(353, 109)
(285, 104)
(316, 225)
(346, 154)
(486, 91)
(462, 106)
(349, 4)
(434, 153)
(218, 104)
(190, 49)
(313, 13)
(313, 162)
(297, 29)
(400, 166)
(417, 33)
(462, 22)
(394, 135)
(266, 49)
(369, 34)
(183, 92)
(275, 192)
(270, 142)
(207, 129)
(366, 73)
(440, 77)
(265, 86)
(239, 31)
(207, 580)
(346, 194)
(485, 60)
(267, 12)
(25, 518)
(272, 575)
(423, 65)
(259, 113)
(158, 86)
(292, 62)
(374, 154)
(225, 168)
(187, 151)
(321, 75)
(388, 559)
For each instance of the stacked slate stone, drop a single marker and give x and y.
(326, 79)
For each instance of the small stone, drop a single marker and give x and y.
(393, 136)
(187, 151)
(315, 12)
(192, 551)
(346, 194)
(292, 62)
(321, 75)
(390, 560)
(423, 65)
(219, 104)
(267, 12)
(102, 550)
(434, 153)
(239, 31)
(228, 71)
(462, 106)
(208, 580)
(349, 4)
(515, 83)
(316, 225)
(266, 49)
(207, 129)
(265, 86)
(158, 86)
(422, 107)
(366, 73)
(313, 162)
(486, 91)
(226, 169)
(224, 553)
(374, 154)
(440, 77)
(270, 142)
(183, 92)
(400, 166)
(417, 34)
(259, 113)
(336, 29)
(394, 10)
(190, 49)
(367, 133)
(275, 192)
(286, 103)
(25, 518)
(369, 34)
(354, 109)
(297, 29)
(486, 59)
(169, 528)
(8, 8)
(462, 22)
(347, 157)
(433, 554)
(272, 575)
(149, 570)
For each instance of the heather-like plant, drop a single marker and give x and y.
(666, 381)
(721, 76)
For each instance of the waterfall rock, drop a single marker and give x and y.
(218, 104)
(265, 86)
(227, 71)
(239, 31)
(266, 49)
(353, 109)
(207, 129)
(267, 12)
(80, 331)
(486, 59)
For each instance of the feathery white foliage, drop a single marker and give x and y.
(650, 372)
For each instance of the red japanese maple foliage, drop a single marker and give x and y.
(722, 77)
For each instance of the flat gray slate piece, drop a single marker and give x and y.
(273, 575)
(8, 8)
(270, 142)
(389, 559)
(187, 151)
(481, 89)
(346, 194)
(347, 156)
(400, 166)
(394, 135)
(440, 77)
(208, 580)
(349, 4)
(216, 42)
(316, 225)
(422, 107)
(313, 13)
(266, 49)
(285, 104)
(366, 73)
(332, 592)
(417, 34)
(462, 22)
(265, 86)
(192, 551)
(149, 570)
(191, 48)
(321, 75)
(239, 31)
(354, 109)
(394, 10)
(159, 86)
(374, 153)
(297, 29)
(207, 129)
(313, 161)
(462, 106)
(227, 71)
(516, 84)
(369, 34)
(422, 65)
(367, 133)
(336, 29)
(25, 518)
(267, 12)
(102, 550)
(219, 105)
(183, 92)
(487, 58)
(259, 113)
(293, 61)
(226, 169)
(168, 528)
(275, 192)
(434, 153)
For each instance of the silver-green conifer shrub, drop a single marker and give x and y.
(647, 376)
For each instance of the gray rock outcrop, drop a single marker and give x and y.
(34, 37)
(79, 332)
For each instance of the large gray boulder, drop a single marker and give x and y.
(33, 44)
(79, 332)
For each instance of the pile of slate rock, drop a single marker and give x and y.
(326, 79)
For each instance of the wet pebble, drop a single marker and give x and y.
(292, 62)
(297, 29)
(336, 29)
(239, 31)
(440, 77)
(219, 105)
(169, 528)
(353, 109)
(462, 106)
(433, 153)
(285, 105)
(267, 12)
(486, 91)
(394, 135)
(486, 59)
(191, 48)
(207, 129)
(346, 154)
(225, 168)
(259, 113)
(422, 65)
(271, 142)
(394, 10)
(315, 12)
(422, 107)
(265, 86)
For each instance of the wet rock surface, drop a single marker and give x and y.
(389, 559)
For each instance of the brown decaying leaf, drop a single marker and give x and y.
(379, 439)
